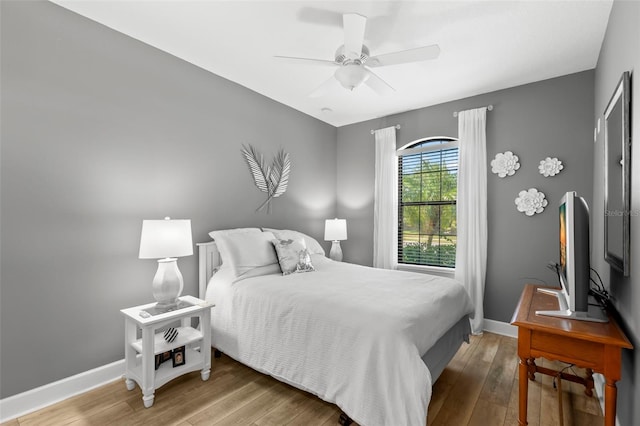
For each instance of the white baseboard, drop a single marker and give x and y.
(499, 327)
(35, 399)
(598, 384)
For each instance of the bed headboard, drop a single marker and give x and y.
(208, 261)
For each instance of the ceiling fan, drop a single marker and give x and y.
(354, 61)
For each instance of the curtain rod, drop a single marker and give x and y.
(397, 126)
(489, 108)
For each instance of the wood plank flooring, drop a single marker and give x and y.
(479, 387)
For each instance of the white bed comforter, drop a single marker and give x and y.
(350, 334)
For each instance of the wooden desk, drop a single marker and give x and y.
(594, 346)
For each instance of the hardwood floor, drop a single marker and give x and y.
(479, 387)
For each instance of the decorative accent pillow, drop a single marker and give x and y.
(311, 244)
(293, 256)
(248, 253)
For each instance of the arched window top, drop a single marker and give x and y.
(436, 143)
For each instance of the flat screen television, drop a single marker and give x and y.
(574, 269)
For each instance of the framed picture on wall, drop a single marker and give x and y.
(617, 177)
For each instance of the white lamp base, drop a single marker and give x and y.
(336, 251)
(167, 283)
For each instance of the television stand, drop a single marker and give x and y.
(593, 314)
(594, 346)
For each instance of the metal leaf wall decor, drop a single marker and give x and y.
(272, 179)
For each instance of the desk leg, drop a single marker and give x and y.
(523, 377)
(610, 395)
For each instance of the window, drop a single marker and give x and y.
(427, 193)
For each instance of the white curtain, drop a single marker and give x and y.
(471, 251)
(385, 210)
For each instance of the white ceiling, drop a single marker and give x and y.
(485, 45)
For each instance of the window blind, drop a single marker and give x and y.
(427, 193)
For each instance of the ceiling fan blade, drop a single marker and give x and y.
(296, 60)
(325, 88)
(354, 26)
(405, 56)
(378, 85)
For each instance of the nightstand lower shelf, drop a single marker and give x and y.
(166, 372)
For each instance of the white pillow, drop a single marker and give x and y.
(248, 253)
(313, 246)
(224, 232)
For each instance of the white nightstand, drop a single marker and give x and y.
(140, 352)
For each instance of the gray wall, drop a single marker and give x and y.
(621, 52)
(547, 118)
(99, 132)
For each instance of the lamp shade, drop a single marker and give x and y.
(335, 230)
(351, 75)
(165, 238)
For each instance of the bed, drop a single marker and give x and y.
(371, 341)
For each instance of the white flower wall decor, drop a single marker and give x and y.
(550, 167)
(505, 164)
(531, 202)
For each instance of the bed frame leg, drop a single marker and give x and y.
(217, 353)
(344, 420)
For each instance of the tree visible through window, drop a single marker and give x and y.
(427, 193)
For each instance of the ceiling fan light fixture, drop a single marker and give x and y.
(351, 75)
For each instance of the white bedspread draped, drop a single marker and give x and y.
(350, 334)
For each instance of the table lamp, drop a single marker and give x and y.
(166, 240)
(335, 230)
